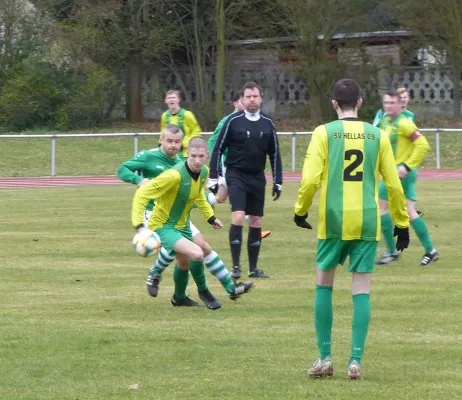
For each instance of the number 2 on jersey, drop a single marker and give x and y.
(349, 173)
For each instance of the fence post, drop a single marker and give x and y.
(135, 142)
(294, 135)
(53, 155)
(437, 139)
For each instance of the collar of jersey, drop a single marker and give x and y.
(252, 116)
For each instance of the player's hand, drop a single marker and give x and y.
(302, 222)
(277, 190)
(217, 224)
(402, 242)
(212, 185)
(402, 172)
(143, 182)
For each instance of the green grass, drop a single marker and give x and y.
(76, 322)
(102, 156)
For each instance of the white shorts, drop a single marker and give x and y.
(222, 179)
(193, 228)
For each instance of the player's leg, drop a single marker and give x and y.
(237, 198)
(417, 222)
(390, 254)
(330, 253)
(362, 256)
(180, 278)
(197, 271)
(222, 193)
(255, 205)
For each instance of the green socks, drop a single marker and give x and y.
(218, 270)
(164, 259)
(323, 316)
(197, 272)
(421, 230)
(361, 318)
(180, 277)
(387, 230)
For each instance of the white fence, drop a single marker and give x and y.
(135, 136)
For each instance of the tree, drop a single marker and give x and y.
(437, 25)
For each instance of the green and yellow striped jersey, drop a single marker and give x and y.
(344, 159)
(175, 192)
(408, 144)
(187, 122)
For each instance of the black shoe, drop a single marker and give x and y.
(186, 302)
(429, 258)
(241, 288)
(153, 284)
(209, 300)
(236, 272)
(257, 273)
(421, 213)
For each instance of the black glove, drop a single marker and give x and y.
(277, 190)
(301, 221)
(212, 185)
(402, 242)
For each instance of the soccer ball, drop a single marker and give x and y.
(146, 243)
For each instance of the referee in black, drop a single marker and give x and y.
(249, 136)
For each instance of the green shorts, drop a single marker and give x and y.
(332, 252)
(169, 236)
(408, 184)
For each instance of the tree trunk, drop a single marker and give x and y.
(133, 89)
(457, 88)
(221, 51)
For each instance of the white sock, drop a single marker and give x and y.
(211, 199)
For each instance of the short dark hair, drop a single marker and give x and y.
(346, 93)
(236, 96)
(392, 93)
(251, 85)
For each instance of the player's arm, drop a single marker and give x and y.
(420, 143)
(154, 189)
(213, 139)
(220, 146)
(204, 206)
(274, 154)
(313, 168)
(163, 121)
(127, 170)
(389, 173)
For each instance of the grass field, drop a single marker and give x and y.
(77, 323)
(102, 156)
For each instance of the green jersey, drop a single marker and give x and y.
(406, 114)
(148, 163)
(214, 137)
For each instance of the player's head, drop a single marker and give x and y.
(391, 103)
(237, 101)
(197, 153)
(403, 97)
(172, 99)
(251, 97)
(171, 139)
(346, 95)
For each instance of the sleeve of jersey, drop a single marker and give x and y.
(420, 143)
(313, 168)
(163, 121)
(214, 137)
(192, 126)
(387, 169)
(126, 171)
(219, 148)
(275, 158)
(203, 205)
(154, 189)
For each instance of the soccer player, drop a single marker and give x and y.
(219, 188)
(151, 163)
(249, 136)
(176, 191)
(343, 160)
(183, 118)
(409, 148)
(404, 100)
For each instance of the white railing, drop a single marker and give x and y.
(138, 134)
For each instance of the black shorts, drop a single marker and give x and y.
(246, 191)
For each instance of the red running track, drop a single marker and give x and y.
(58, 181)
